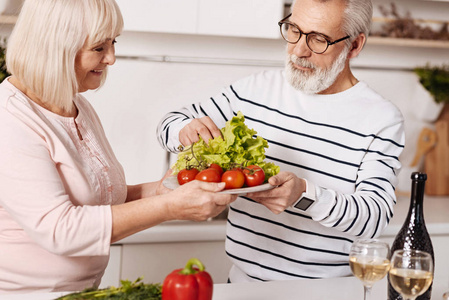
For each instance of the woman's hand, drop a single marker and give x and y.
(197, 201)
(203, 127)
(289, 189)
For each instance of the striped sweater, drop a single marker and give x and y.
(346, 144)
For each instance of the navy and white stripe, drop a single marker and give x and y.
(347, 144)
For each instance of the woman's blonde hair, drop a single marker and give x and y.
(46, 38)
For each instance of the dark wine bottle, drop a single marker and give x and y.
(413, 234)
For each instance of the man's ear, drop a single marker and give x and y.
(357, 45)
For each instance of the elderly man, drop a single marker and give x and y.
(336, 141)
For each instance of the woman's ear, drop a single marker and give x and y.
(357, 45)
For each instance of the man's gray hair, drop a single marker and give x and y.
(357, 17)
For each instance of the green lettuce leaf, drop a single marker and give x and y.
(239, 145)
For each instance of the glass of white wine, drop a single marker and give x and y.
(369, 262)
(411, 272)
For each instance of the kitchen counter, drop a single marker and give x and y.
(346, 288)
(436, 210)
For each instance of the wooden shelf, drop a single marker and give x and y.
(7, 19)
(403, 42)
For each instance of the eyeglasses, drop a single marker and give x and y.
(317, 42)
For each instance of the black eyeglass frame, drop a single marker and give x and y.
(301, 33)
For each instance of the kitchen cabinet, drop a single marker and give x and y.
(112, 273)
(154, 261)
(244, 18)
(174, 16)
(157, 251)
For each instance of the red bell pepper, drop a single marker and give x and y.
(190, 283)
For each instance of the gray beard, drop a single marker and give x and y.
(317, 79)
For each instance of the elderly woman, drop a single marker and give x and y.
(63, 195)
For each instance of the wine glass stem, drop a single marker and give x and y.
(367, 292)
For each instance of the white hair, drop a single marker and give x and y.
(357, 17)
(46, 38)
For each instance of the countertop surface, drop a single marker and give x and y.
(345, 288)
(436, 211)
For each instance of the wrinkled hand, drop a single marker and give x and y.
(289, 189)
(203, 127)
(198, 201)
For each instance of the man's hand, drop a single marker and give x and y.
(203, 127)
(289, 189)
(161, 189)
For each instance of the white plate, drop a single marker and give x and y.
(172, 183)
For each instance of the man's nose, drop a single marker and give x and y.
(301, 49)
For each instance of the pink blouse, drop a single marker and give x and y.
(56, 192)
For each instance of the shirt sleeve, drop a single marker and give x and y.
(33, 194)
(367, 211)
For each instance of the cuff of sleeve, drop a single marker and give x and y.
(173, 141)
(324, 202)
(107, 234)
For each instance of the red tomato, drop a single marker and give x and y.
(217, 167)
(234, 179)
(187, 175)
(254, 175)
(209, 175)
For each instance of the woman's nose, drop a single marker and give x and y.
(109, 57)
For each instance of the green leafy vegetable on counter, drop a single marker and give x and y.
(239, 145)
(436, 81)
(128, 290)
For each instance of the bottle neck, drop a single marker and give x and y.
(416, 210)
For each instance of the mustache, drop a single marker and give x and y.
(302, 62)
